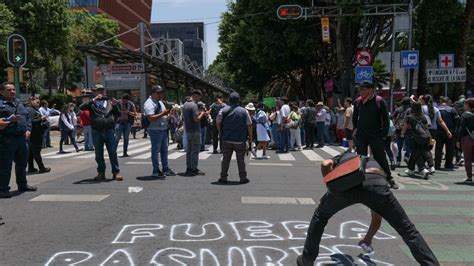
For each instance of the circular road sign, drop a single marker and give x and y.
(364, 57)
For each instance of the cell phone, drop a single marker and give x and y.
(9, 119)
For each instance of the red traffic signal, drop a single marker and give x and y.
(286, 12)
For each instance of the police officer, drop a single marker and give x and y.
(15, 131)
(375, 193)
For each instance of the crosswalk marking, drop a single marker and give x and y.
(119, 150)
(286, 157)
(176, 155)
(204, 155)
(90, 154)
(148, 155)
(331, 151)
(312, 156)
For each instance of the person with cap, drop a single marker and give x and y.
(371, 126)
(320, 123)
(215, 109)
(15, 131)
(125, 122)
(157, 115)
(250, 107)
(103, 113)
(235, 125)
(263, 130)
(399, 117)
(374, 192)
(192, 126)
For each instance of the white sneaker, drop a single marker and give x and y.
(467, 180)
(425, 173)
(409, 172)
(432, 170)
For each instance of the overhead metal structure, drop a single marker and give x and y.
(362, 10)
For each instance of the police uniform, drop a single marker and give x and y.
(375, 193)
(13, 145)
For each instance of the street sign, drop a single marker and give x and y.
(16, 50)
(446, 61)
(287, 12)
(122, 68)
(364, 57)
(446, 75)
(363, 74)
(409, 59)
(326, 32)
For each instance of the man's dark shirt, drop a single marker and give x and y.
(16, 107)
(371, 118)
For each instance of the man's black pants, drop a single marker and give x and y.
(35, 155)
(441, 140)
(309, 134)
(215, 138)
(420, 154)
(377, 145)
(381, 200)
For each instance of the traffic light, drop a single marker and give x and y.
(16, 50)
(287, 12)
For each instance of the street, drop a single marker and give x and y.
(72, 220)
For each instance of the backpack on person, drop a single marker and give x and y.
(391, 128)
(421, 132)
(449, 117)
(400, 119)
(146, 121)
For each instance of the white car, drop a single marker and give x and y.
(54, 119)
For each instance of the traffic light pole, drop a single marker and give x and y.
(16, 75)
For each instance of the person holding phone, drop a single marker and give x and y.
(15, 130)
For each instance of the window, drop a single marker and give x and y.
(83, 3)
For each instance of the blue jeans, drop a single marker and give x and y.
(275, 135)
(321, 129)
(159, 144)
(284, 139)
(122, 128)
(403, 143)
(13, 149)
(107, 138)
(327, 138)
(192, 151)
(47, 137)
(88, 143)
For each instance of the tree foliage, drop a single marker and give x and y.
(6, 28)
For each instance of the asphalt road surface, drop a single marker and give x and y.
(71, 220)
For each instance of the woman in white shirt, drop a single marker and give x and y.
(67, 122)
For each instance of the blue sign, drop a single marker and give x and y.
(409, 59)
(363, 74)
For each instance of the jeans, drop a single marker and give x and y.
(47, 137)
(327, 137)
(34, 154)
(203, 138)
(377, 146)
(275, 135)
(107, 138)
(88, 143)
(441, 141)
(227, 150)
(321, 129)
(159, 144)
(284, 135)
(192, 151)
(13, 149)
(65, 135)
(309, 134)
(403, 143)
(122, 128)
(381, 200)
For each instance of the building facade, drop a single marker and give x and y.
(128, 13)
(191, 34)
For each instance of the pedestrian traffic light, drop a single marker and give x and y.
(287, 12)
(16, 48)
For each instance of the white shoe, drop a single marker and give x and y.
(467, 180)
(425, 173)
(409, 172)
(432, 170)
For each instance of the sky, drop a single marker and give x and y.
(207, 11)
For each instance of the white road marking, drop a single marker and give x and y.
(69, 198)
(331, 151)
(286, 157)
(277, 200)
(312, 156)
(270, 164)
(176, 155)
(204, 155)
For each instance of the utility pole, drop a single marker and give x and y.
(392, 64)
(141, 29)
(409, 83)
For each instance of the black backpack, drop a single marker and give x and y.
(449, 117)
(421, 132)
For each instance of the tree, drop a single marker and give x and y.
(381, 76)
(6, 28)
(84, 29)
(465, 38)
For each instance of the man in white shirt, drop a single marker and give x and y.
(320, 121)
(283, 131)
(46, 112)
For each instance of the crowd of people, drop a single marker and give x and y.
(411, 133)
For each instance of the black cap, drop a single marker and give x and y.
(196, 92)
(367, 85)
(234, 97)
(157, 88)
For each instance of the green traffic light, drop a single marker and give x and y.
(18, 58)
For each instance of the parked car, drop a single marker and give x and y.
(54, 119)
